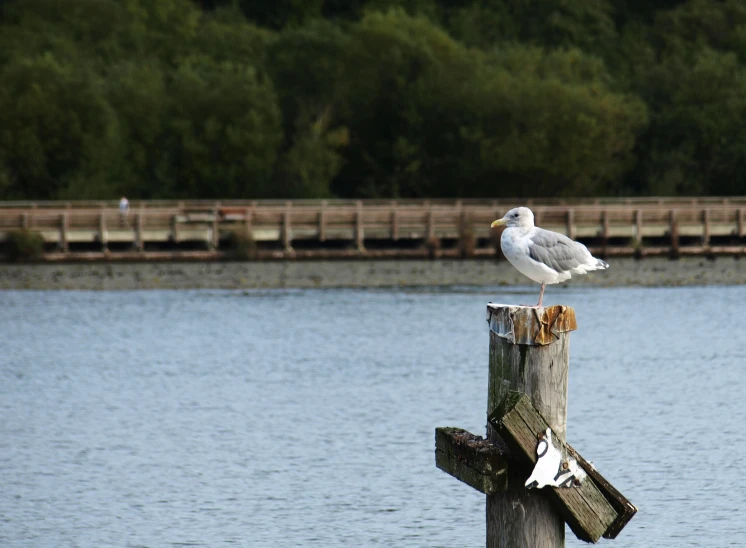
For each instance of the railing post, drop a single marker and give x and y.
(394, 222)
(215, 234)
(64, 225)
(605, 232)
(139, 243)
(322, 222)
(103, 235)
(24, 220)
(359, 229)
(674, 232)
(706, 228)
(175, 227)
(430, 224)
(571, 224)
(287, 238)
(638, 230)
(247, 222)
(740, 222)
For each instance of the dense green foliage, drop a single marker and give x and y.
(23, 245)
(371, 98)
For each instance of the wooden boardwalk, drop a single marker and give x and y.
(370, 228)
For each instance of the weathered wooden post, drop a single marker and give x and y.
(359, 227)
(64, 228)
(322, 221)
(103, 235)
(526, 405)
(570, 230)
(674, 233)
(139, 235)
(214, 241)
(527, 357)
(394, 222)
(286, 230)
(638, 233)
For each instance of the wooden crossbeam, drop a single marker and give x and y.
(624, 508)
(592, 509)
(471, 459)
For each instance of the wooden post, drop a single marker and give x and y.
(175, 228)
(322, 221)
(605, 233)
(287, 238)
(247, 220)
(706, 228)
(103, 235)
(526, 403)
(139, 237)
(214, 242)
(638, 231)
(571, 224)
(674, 231)
(740, 223)
(359, 230)
(529, 353)
(394, 222)
(430, 225)
(64, 225)
(24, 221)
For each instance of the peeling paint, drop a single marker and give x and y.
(532, 326)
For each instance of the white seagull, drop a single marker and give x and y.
(544, 256)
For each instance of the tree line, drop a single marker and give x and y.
(371, 98)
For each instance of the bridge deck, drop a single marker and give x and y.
(642, 226)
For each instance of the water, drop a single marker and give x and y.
(305, 418)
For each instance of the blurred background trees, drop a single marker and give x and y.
(371, 98)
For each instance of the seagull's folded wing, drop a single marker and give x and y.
(559, 252)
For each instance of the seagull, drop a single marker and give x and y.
(544, 256)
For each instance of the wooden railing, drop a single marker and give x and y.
(610, 227)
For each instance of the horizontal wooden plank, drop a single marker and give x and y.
(471, 459)
(585, 508)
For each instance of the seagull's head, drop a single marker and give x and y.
(520, 216)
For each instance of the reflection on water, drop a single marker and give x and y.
(297, 418)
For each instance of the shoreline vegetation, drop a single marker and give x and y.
(651, 271)
(239, 99)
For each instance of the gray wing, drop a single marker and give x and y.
(557, 251)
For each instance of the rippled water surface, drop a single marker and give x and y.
(305, 418)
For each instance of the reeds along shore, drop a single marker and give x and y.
(245, 230)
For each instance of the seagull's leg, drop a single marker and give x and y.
(541, 294)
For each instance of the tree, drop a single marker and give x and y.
(697, 139)
(58, 132)
(223, 130)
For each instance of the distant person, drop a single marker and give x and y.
(124, 209)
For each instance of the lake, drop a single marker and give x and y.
(306, 417)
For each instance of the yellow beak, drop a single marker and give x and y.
(499, 222)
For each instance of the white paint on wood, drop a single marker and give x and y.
(552, 467)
